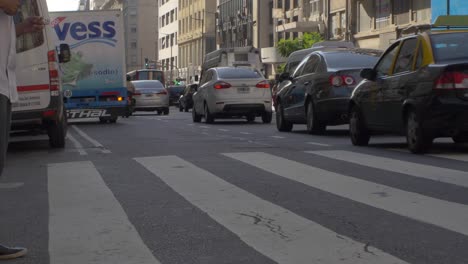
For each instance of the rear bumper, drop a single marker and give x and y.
(333, 111)
(38, 119)
(240, 109)
(98, 112)
(447, 118)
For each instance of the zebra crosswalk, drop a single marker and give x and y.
(87, 224)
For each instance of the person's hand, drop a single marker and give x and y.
(10, 7)
(33, 24)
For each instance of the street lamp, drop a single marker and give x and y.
(172, 60)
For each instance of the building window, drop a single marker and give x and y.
(133, 30)
(364, 22)
(382, 13)
(401, 14)
(296, 3)
(133, 45)
(172, 16)
(279, 4)
(134, 59)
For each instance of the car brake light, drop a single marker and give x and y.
(162, 92)
(222, 85)
(53, 71)
(339, 80)
(263, 84)
(452, 80)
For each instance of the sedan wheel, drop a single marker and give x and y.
(357, 129)
(196, 117)
(461, 138)
(418, 140)
(208, 116)
(281, 124)
(314, 126)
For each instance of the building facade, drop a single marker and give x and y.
(380, 22)
(196, 36)
(141, 32)
(168, 33)
(96, 4)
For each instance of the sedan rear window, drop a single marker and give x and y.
(148, 84)
(238, 73)
(450, 46)
(342, 60)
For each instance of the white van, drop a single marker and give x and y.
(40, 104)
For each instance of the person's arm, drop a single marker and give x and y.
(10, 7)
(30, 24)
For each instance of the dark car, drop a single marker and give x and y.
(174, 94)
(418, 88)
(186, 99)
(319, 90)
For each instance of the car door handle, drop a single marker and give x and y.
(306, 83)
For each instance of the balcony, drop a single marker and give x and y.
(299, 26)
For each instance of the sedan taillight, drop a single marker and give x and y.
(263, 84)
(221, 85)
(452, 80)
(340, 80)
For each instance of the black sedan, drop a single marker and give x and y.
(174, 93)
(319, 90)
(418, 88)
(186, 99)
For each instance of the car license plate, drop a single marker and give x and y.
(243, 89)
(149, 95)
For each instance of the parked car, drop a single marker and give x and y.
(297, 56)
(418, 88)
(186, 99)
(174, 94)
(227, 92)
(150, 95)
(319, 90)
(39, 63)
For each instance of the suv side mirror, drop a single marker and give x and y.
(369, 74)
(284, 76)
(129, 78)
(64, 53)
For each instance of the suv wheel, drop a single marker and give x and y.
(208, 116)
(281, 124)
(180, 107)
(314, 126)
(267, 117)
(57, 132)
(418, 140)
(461, 138)
(358, 131)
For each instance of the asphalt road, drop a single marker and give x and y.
(161, 189)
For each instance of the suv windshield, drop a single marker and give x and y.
(238, 73)
(449, 46)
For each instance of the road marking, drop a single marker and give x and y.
(246, 133)
(86, 222)
(279, 137)
(449, 215)
(452, 156)
(190, 124)
(77, 144)
(224, 130)
(409, 168)
(272, 230)
(204, 127)
(94, 142)
(318, 144)
(11, 185)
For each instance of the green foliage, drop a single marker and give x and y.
(288, 46)
(280, 68)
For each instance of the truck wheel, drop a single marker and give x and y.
(113, 119)
(181, 109)
(461, 138)
(266, 117)
(250, 118)
(166, 111)
(57, 132)
(103, 120)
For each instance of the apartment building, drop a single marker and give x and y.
(141, 32)
(168, 31)
(380, 22)
(196, 35)
(96, 4)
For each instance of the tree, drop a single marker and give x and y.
(287, 46)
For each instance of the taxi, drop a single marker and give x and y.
(418, 88)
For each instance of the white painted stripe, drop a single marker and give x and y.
(190, 124)
(410, 168)
(204, 127)
(277, 137)
(77, 144)
(224, 130)
(11, 185)
(94, 142)
(246, 133)
(272, 230)
(86, 222)
(451, 216)
(318, 144)
(452, 156)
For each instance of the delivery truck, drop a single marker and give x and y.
(94, 80)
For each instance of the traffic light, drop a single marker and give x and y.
(146, 62)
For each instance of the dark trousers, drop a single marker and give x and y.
(5, 122)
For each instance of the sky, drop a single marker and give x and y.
(62, 5)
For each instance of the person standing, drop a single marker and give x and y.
(8, 91)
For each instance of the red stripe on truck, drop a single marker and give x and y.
(29, 88)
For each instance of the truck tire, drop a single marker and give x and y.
(57, 132)
(113, 119)
(266, 117)
(166, 111)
